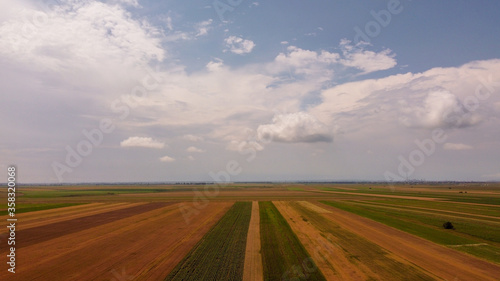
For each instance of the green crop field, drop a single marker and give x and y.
(283, 256)
(25, 208)
(467, 231)
(220, 254)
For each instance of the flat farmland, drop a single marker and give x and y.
(255, 231)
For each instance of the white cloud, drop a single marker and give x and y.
(367, 61)
(440, 109)
(167, 159)
(132, 3)
(142, 142)
(303, 61)
(192, 138)
(81, 35)
(456, 146)
(239, 45)
(194, 149)
(203, 27)
(295, 127)
(439, 97)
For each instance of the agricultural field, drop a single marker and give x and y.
(255, 232)
(220, 255)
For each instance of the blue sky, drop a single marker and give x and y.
(131, 90)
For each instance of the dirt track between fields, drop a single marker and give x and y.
(439, 260)
(253, 270)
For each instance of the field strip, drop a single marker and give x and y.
(220, 255)
(283, 255)
(36, 257)
(65, 211)
(148, 244)
(313, 207)
(45, 232)
(35, 215)
(39, 219)
(385, 196)
(433, 212)
(444, 212)
(441, 261)
(189, 236)
(253, 270)
(468, 245)
(329, 258)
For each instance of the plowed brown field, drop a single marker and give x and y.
(143, 242)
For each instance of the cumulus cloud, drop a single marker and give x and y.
(167, 158)
(89, 33)
(295, 127)
(367, 61)
(192, 138)
(239, 45)
(194, 149)
(456, 146)
(203, 27)
(303, 61)
(142, 142)
(439, 109)
(453, 97)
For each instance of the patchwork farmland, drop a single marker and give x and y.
(255, 232)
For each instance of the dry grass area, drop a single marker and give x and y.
(313, 207)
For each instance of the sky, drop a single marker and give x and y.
(236, 90)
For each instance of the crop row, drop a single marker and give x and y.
(220, 255)
(283, 256)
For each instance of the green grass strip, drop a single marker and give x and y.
(283, 256)
(25, 208)
(220, 254)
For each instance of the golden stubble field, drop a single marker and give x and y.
(339, 232)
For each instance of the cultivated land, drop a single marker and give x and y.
(255, 232)
(220, 255)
